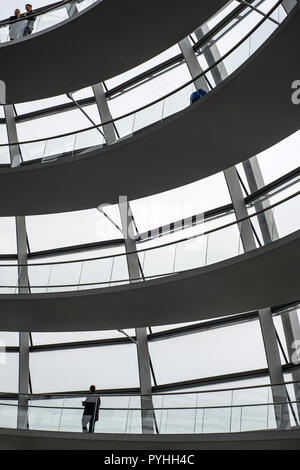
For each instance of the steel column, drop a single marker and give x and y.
(236, 194)
(275, 368)
(14, 150)
(71, 9)
(148, 422)
(256, 181)
(288, 5)
(193, 64)
(265, 315)
(291, 330)
(104, 112)
(211, 54)
(23, 279)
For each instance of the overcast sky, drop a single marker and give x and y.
(7, 7)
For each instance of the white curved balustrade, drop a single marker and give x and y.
(216, 411)
(201, 249)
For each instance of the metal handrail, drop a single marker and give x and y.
(158, 99)
(153, 408)
(207, 232)
(153, 395)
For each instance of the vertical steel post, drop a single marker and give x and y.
(72, 9)
(104, 112)
(23, 279)
(148, 423)
(192, 64)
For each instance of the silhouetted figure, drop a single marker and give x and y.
(91, 410)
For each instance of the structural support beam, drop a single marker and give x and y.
(275, 368)
(211, 54)
(256, 181)
(14, 150)
(23, 279)
(193, 64)
(288, 5)
(134, 271)
(72, 9)
(236, 194)
(280, 398)
(291, 329)
(104, 112)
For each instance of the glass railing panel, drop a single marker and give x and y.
(133, 422)
(223, 244)
(148, 116)
(55, 148)
(88, 140)
(49, 19)
(8, 414)
(178, 421)
(222, 398)
(71, 420)
(190, 254)
(64, 275)
(159, 261)
(271, 421)
(113, 421)
(33, 151)
(39, 276)
(119, 271)
(125, 126)
(261, 35)
(286, 217)
(9, 279)
(134, 417)
(215, 420)
(252, 396)
(4, 34)
(45, 415)
(82, 4)
(254, 418)
(96, 271)
(237, 57)
(281, 14)
(178, 101)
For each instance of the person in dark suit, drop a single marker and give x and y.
(29, 15)
(91, 410)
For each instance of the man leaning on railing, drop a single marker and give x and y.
(31, 19)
